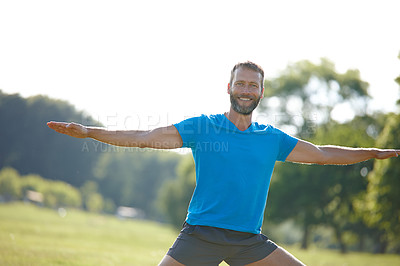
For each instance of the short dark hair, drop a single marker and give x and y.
(249, 65)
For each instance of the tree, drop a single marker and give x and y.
(33, 182)
(125, 176)
(305, 94)
(314, 195)
(349, 182)
(174, 197)
(92, 200)
(382, 200)
(398, 82)
(30, 147)
(60, 194)
(132, 177)
(55, 193)
(10, 185)
(381, 204)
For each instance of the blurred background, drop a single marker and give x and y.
(332, 77)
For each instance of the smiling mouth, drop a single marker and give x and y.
(244, 99)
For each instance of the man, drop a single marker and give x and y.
(227, 207)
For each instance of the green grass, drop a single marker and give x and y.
(31, 235)
(37, 236)
(323, 257)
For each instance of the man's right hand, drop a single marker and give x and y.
(71, 129)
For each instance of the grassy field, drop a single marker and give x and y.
(37, 236)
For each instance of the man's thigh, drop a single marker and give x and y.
(169, 261)
(278, 257)
(190, 249)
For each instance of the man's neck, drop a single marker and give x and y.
(242, 122)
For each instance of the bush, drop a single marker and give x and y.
(55, 193)
(94, 202)
(10, 185)
(34, 183)
(60, 194)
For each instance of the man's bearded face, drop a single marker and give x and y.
(244, 104)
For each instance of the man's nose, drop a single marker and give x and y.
(246, 88)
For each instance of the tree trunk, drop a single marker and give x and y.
(361, 242)
(381, 247)
(342, 245)
(381, 244)
(306, 233)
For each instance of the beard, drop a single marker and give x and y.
(241, 109)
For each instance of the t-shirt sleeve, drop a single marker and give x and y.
(189, 129)
(286, 145)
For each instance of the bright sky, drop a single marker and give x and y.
(142, 64)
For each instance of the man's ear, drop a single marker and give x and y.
(262, 93)
(229, 88)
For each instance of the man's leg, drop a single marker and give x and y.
(278, 257)
(169, 261)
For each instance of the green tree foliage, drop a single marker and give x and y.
(10, 185)
(60, 194)
(56, 194)
(92, 200)
(398, 82)
(125, 176)
(132, 177)
(305, 94)
(315, 195)
(30, 147)
(175, 195)
(382, 201)
(33, 182)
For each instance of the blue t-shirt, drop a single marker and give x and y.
(233, 170)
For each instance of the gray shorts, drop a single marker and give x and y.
(205, 245)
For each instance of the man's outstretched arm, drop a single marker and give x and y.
(159, 138)
(305, 152)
